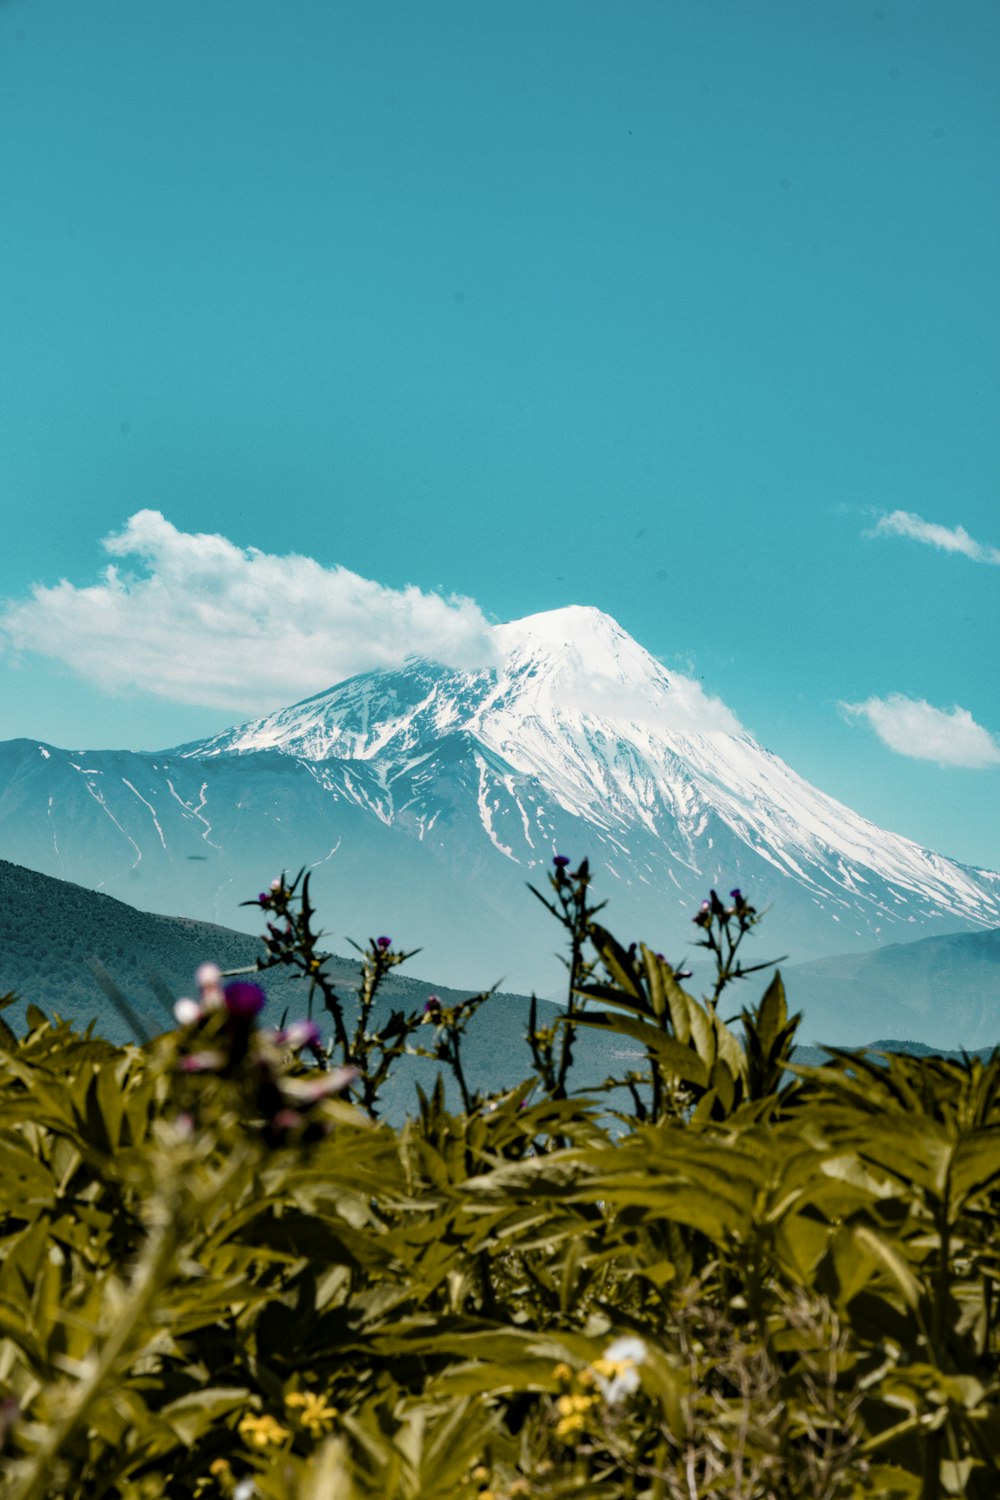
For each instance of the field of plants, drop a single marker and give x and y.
(718, 1276)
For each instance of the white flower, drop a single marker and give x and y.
(616, 1372)
(630, 1347)
(187, 1012)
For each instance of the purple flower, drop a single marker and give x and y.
(383, 943)
(203, 1062)
(304, 1093)
(244, 1000)
(737, 894)
(300, 1034)
(432, 1004)
(561, 861)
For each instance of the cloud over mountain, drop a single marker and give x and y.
(197, 619)
(945, 538)
(913, 727)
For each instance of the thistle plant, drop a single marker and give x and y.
(570, 904)
(725, 928)
(291, 939)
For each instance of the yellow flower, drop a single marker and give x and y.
(566, 1405)
(563, 1373)
(480, 1474)
(569, 1425)
(314, 1413)
(262, 1431)
(219, 1466)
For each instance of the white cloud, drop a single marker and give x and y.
(206, 622)
(684, 708)
(947, 539)
(913, 727)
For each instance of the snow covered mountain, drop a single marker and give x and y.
(427, 797)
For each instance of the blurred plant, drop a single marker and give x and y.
(219, 1278)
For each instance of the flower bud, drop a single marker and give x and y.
(300, 1034)
(244, 1000)
(187, 1012)
(203, 1062)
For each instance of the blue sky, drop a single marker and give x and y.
(687, 309)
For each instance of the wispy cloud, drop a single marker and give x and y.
(913, 727)
(201, 620)
(945, 538)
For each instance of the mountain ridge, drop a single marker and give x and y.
(438, 793)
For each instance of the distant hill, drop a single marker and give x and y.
(940, 992)
(51, 931)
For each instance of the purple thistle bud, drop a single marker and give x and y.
(300, 1034)
(737, 894)
(383, 943)
(432, 1004)
(244, 1000)
(264, 898)
(561, 861)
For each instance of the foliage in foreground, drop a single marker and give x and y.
(222, 1275)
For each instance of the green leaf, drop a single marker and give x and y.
(672, 1057)
(194, 1414)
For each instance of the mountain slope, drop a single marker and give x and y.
(426, 798)
(940, 991)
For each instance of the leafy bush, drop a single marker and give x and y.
(717, 1275)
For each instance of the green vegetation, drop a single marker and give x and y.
(716, 1274)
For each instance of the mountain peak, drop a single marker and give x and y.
(580, 647)
(579, 627)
